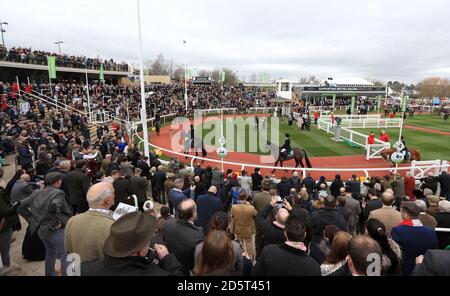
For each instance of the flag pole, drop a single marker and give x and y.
(141, 75)
(185, 83)
(404, 102)
(18, 85)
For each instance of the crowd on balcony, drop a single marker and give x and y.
(39, 57)
(123, 102)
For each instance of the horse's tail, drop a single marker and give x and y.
(417, 156)
(308, 163)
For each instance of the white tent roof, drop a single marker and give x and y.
(283, 81)
(348, 81)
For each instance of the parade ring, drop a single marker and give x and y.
(328, 167)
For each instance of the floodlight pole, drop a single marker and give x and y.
(185, 87)
(3, 31)
(141, 74)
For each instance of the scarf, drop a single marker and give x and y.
(296, 245)
(411, 222)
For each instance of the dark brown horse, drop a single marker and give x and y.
(413, 154)
(298, 155)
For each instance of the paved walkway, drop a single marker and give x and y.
(36, 268)
(31, 268)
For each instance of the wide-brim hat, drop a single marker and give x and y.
(130, 233)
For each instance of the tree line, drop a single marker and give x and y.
(429, 87)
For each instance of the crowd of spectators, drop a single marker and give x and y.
(203, 221)
(123, 102)
(222, 223)
(39, 57)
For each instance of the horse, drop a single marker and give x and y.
(298, 155)
(413, 154)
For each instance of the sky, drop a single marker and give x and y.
(405, 40)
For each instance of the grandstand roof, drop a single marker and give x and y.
(347, 81)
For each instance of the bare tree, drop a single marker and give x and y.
(304, 80)
(215, 75)
(376, 82)
(178, 73)
(159, 66)
(313, 79)
(396, 86)
(230, 76)
(204, 73)
(434, 87)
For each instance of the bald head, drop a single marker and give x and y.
(360, 247)
(281, 216)
(213, 189)
(387, 198)
(101, 195)
(187, 210)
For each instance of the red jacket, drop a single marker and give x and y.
(3, 100)
(391, 115)
(410, 184)
(15, 87)
(371, 139)
(384, 138)
(28, 89)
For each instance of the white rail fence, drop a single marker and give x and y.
(365, 121)
(355, 138)
(365, 171)
(219, 111)
(327, 108)
(419, 169)
(261, 110)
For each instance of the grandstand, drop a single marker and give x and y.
(26, 63)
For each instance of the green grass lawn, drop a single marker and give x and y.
(431, 146)
(429, 121)
(318, 143)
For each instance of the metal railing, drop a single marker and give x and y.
(304, 170)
